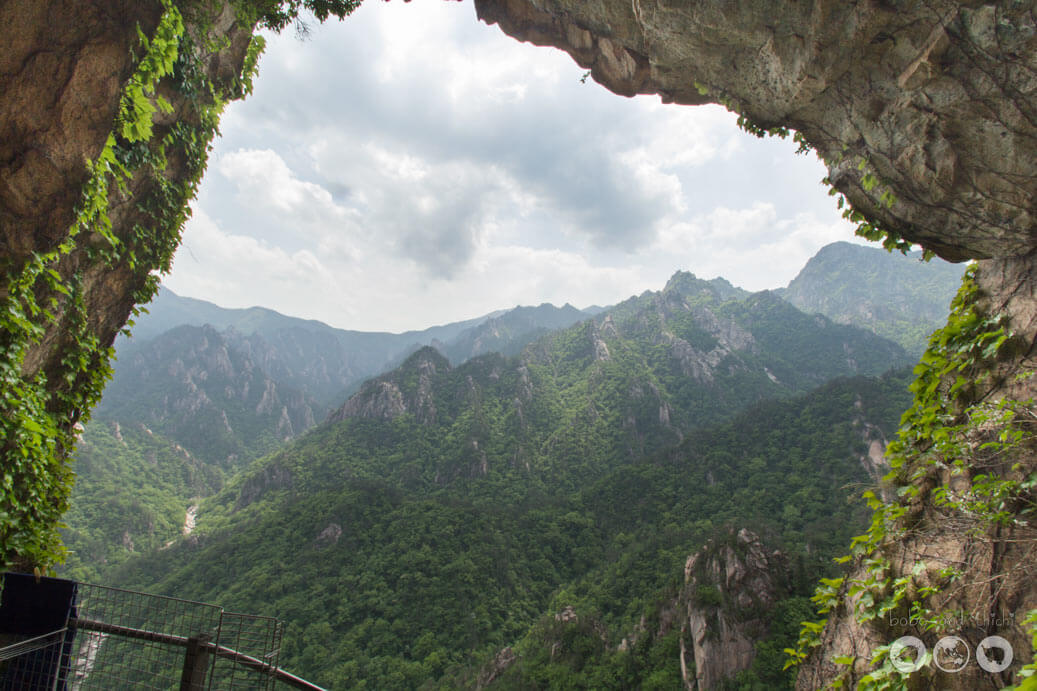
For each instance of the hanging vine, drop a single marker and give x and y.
(40, 407)
(956, 446)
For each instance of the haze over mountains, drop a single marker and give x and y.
(492, 473)
(895, 295)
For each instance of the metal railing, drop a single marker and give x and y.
(114, 638)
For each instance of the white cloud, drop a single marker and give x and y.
(263, 180)
(410, 166)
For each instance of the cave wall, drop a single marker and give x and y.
(62, 76)
(90, 213)
(62, 67)
(935, 101)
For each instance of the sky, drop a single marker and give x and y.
(412, 166)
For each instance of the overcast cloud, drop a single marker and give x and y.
(411, 166)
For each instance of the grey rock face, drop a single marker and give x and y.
(934, 102)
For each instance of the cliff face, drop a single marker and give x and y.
(924, 114)
(62, 68)
(105, 120)
(62, 72)
(730, 589)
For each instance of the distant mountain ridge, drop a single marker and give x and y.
(451, 502)
(639, 375)
(328, 362)
(532, 478)
(897, 296)
(510, 332)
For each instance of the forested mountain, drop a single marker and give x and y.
(169, 310)
(133, 490)
(388, 584)
(531, 484)
(429, 521)
(218, 389)
(329, 363)
(510, 332)
(306, 354)
(897, 296)
(210, 392)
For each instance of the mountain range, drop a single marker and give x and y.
(490, 478)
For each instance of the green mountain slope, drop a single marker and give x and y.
(428, 522)
(324, 361)
(388, 587)
(207, 393)
(132, 493)
(897, 296)
(788, 470)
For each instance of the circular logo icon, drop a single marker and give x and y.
(951, 654)
(994, 654)
(906, 662)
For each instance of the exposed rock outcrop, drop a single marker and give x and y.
(406, 390)
(271, 477)
(730, 587)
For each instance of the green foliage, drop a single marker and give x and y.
(867, 227)
(1028, 674)
(278, 14)
(39, 407)
(37, 414)
(132, 491)
(393, 578)
(139, 102)
(950, 431)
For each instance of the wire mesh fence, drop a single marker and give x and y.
(60, 635)
(257, 644)
(133, 640)
(31, 663)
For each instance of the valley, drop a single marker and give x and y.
(518, 513)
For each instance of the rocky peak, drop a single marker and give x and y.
(407, 389)
(687, 284)
(730, 586)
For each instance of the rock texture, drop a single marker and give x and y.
(936, 99)
(63, 65)
(997, 565)
(730, 588)
(209, 391)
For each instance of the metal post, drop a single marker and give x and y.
(196, 663)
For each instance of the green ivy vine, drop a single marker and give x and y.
(40, 410)
(863, 226)
(38, 414)
(950, 431)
